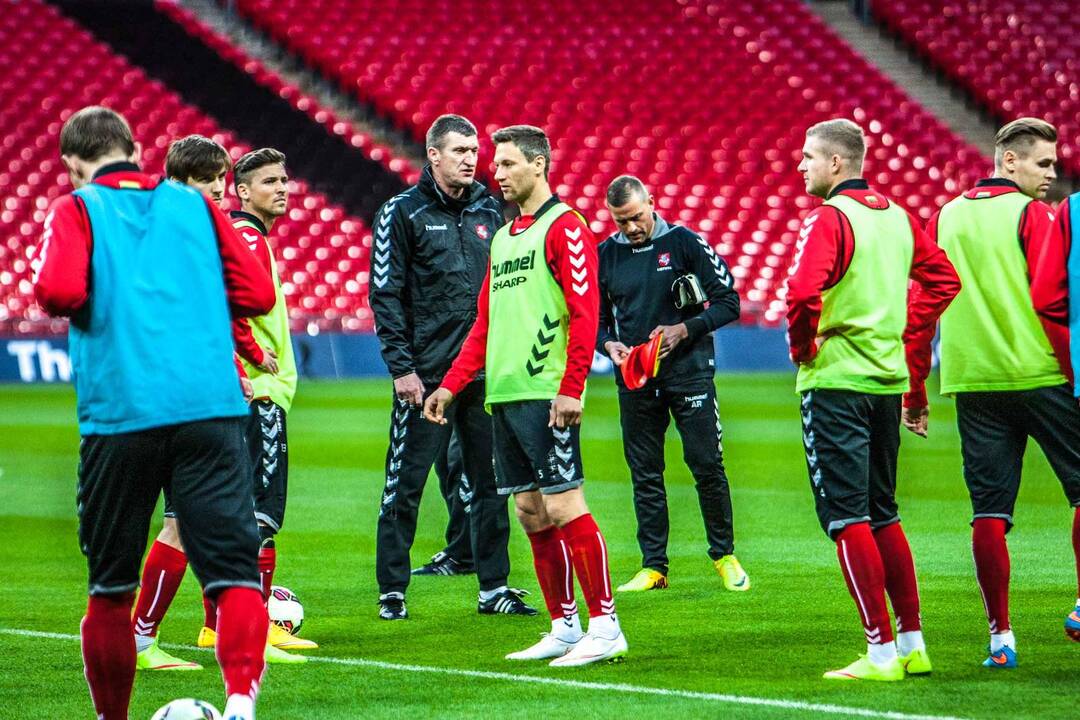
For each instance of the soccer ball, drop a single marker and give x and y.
(187, 709)
(285, 609)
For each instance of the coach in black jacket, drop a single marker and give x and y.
(638, 267)
(430, 255)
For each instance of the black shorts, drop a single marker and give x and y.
(170, 510)
(269, 449)
(206, 469)
(994, 430)
(529, 455)
(852, 440)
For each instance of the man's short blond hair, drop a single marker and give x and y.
(1021, 135)
(841, 137)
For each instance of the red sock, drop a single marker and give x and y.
(108, 650)
(861, 563)
(900, 582)
(589, 554)
(551, 558)
(209, 613)
(241, 639)
(1076, 549)
(162, 574)
(267, 563)
(992, 569)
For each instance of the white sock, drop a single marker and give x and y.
(1078, 603)
(239, 707)
(143, 641)
(605, 626)
(999, 639)
(486, 595)
(567, 629)
(909, 642)
(882, 653)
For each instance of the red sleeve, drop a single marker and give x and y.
(822, 255)
(61, 260)
(570, 250)
(470, 359)
(244, 342)
(934, 285)
(1045, 240)
(240, 371)
(248, 284)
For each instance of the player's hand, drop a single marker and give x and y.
(435, 407)
(616, 351)
(269, 363)
(565, 411)
(673, 335)
(916, 419)
(409, 389)
(248, 389)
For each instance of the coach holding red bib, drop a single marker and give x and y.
(143, 268)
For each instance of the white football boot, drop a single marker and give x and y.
(594, 648)
(549, 647)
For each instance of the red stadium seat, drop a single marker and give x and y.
(706, 100)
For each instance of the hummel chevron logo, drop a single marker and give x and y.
(270, 467)
(564, 453)
(573, 234)
(544, 339)
(580, 289)
(539, 353)
(577, 260)
(576, 248)
(579, 275)
(550, 324)
(538, 356)
(381, 258)
(534, 370)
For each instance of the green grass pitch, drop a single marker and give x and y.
(718, 653)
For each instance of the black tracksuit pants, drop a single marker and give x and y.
(645, 415)
(415, 443)
(457, 491)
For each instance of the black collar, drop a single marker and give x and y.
(548, 204)
(852, 184)
(240, 214)
(121, 166)
(997, 182)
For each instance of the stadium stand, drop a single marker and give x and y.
(1014, 58)
(707, 101)
(59, 67)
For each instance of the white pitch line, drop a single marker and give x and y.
(564, 683)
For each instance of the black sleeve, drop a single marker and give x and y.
(606, 331)
(718, 284)
(390, 258)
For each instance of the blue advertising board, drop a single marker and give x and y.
(335, 355)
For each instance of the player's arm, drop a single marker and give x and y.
(1048, 263)
(822, 255)
(570, 251)
(606, 341)
(468, 363)
(386, 294)
(719, 287)
(248, 286)
(61, 260)
(934, 285)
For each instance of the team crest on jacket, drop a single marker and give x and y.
(482, 232)
(663, 260)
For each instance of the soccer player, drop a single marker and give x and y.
(431, 249)
(202, 164)
(1055, 282)
(637, 269)
(534, 336)
(142, 268)
(998, 359)
(262, 185)
(852, 327)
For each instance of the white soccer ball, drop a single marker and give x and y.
(285, 609)
(187, 709)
